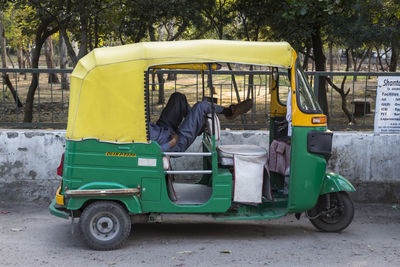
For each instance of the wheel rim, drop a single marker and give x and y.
(104, 226)
(335, 215)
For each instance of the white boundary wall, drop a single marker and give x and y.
(29, 159)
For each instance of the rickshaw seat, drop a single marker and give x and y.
(227, 152)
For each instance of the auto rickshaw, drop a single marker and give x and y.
(113, 174)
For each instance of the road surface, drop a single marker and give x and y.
(30, 236)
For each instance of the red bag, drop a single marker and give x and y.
(60, 168)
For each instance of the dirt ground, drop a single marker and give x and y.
(30, 236)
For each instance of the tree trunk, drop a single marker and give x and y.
(354, 59)
(171, 34)
(50, 60)
(171, 76)
(306, 58)
(63, 62)
(21, 60)
(96, 32)
(342, 93)
(84, 35)
(369, 61)
(20, 57)
(40, 37)
(330, 57)
(380, 59)
(6, 78)
(385, 51)
(320, 59)
(394, 58)
(234, 83)
(160, 77)
(3, 46)
(70, 49)
(161, 97)
(28, 57)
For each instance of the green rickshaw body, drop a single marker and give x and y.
(308, 174)
(91, 164)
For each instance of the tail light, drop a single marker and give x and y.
(319, 120)
(60, 168)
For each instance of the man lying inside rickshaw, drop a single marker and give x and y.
(179, 124)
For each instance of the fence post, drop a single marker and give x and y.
(316, 84)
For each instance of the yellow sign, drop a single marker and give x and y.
(119, 154)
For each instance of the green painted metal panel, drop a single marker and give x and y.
(90, 164)
(307, 172)
(151, 189)
(334, 183)
(56, 212)
(92, 161)
(220, 200)
(131, 203)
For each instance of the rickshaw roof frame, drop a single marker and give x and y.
(103, 105)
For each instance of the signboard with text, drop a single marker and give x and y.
(387, 110)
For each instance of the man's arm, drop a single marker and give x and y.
(167, 147)
(174, 140)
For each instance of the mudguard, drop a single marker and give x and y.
(334, 183)
(132, 203)
(56, 212)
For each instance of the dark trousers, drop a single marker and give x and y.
(185, 121)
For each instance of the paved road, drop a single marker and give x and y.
(30, 236)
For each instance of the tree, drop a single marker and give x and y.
(219, 15)
(41, 26)
(252, 22)
(63, 62)
(90, 22)
(5, 75)
(50, 60)
(385, 16)
(309, 24)
(158, 20)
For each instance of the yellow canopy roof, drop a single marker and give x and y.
(107, 94)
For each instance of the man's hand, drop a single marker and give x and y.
(174, 140)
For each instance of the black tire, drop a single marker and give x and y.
(340, 216)
(105, 225)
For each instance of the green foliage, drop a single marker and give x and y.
(94, 23)
(141, 19)
(19, 24)
(252, 19)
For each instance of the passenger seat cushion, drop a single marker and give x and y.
(226, 152)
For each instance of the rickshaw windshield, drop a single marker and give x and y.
(306, 99)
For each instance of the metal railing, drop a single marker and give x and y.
(360, 88)
(50, 106)
(229, 87)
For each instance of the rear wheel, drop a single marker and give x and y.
(105, 225)
(333, 212)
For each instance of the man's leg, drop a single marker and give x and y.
(176, 109)
(192, 126)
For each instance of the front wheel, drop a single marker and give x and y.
(333, 212)
(105, 225)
